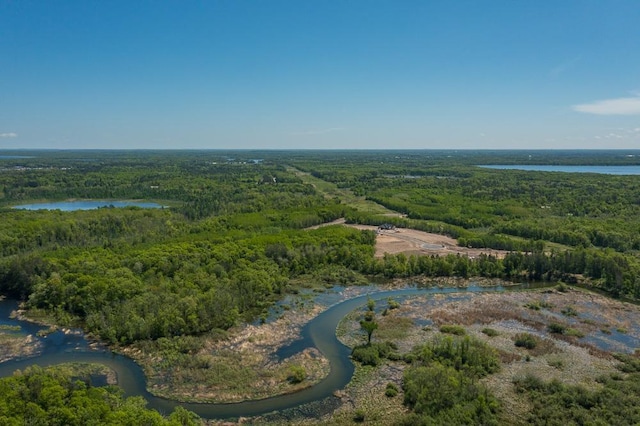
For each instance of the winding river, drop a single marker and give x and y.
(320, 332)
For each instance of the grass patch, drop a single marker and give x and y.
(557, 363)
(490, 332)
(536, 305)
(393, 327)
(574, 333)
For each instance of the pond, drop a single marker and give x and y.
(68, 206)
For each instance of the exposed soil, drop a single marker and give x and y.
(410, 241)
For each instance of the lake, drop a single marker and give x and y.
(69, 206)
(606, 170)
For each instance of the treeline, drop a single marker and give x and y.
(53, 396)
(465, 237)
(125, 294)
(606, 269)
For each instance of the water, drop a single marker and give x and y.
(319, 333)
(606, 170)
(68, 206)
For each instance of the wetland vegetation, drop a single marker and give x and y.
(183, 289)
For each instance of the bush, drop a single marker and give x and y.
(372, 354)
(467, 354)
(359, 416)
(297, 374)
(366, 355)
(574, 332)
(490, 332)
(538, 304)
(526, 340)
(393, 304)
(556, 328)
(569, 311)
(453, 329)
(443, 395)
(391, 390)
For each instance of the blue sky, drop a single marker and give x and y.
(320, 74)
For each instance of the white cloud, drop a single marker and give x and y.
(619, 106)
(8, 135)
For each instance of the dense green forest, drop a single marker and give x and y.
(237, 232)
(54, 396)
(235, 229)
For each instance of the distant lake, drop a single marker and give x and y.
(69, 206)
(606, 170)
(13, 157)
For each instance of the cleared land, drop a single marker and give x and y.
(410, 241)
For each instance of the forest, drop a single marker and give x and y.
(239, 230)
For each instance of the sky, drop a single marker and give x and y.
(320, 74)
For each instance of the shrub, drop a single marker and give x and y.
(453, 329)
(538, 304)
(526, 340)
(490, 332)
(297, 374)
(372, 354)
(393, 304)
(391, 390)
(574, 332)
(366, 355)
(556, 328)
(467, 354)
(569, 311)
(359, 416)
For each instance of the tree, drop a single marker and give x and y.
(369, 327)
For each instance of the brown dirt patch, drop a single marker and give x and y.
(411, 241)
